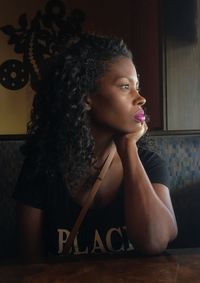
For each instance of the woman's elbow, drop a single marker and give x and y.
(152, 249)
(156, 246)
(174, 233)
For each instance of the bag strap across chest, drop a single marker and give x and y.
(89, 200)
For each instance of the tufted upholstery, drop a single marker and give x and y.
(181, 152)
(10, 163)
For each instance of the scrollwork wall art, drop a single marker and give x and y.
(36, 40)
(30, 32)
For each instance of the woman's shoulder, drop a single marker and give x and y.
(156, 168)
(147, 155)
(33, 184)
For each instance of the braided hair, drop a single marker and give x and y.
(59, 136)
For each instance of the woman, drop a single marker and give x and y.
(87, 105)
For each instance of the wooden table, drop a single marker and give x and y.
(180, 266)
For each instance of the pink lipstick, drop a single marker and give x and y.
(139, 116)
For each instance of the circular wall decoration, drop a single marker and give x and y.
(13, 74)
(37, 39)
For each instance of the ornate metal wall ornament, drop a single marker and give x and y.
(45, 35)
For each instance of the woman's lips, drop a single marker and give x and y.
(139, 116)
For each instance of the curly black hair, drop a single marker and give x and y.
(59, 136)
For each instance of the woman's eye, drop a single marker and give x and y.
(125, 86)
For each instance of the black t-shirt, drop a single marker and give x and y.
(102, 231)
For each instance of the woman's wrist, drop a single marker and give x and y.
(126, 146)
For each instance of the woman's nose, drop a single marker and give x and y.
(139, 100)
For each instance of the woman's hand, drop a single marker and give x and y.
(122, 141)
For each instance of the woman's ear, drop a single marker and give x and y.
(88, 103)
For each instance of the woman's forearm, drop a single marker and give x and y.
(30, 230)
(151, 224)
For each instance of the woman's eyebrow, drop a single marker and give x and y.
(125, 77)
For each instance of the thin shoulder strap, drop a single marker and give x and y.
(89, 200)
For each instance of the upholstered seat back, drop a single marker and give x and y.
(11, 161)
(181, 152)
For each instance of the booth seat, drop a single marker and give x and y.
(180, 151)
(182, 154)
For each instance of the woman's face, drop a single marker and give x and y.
(116, 104)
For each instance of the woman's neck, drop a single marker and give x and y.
(103, 141)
